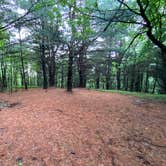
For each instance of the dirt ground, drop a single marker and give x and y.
(85, 128)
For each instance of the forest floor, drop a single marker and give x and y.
(85, 128)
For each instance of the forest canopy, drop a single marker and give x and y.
(101, 44)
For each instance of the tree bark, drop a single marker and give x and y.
(71, 49)
(132, 80)
(118, 77)
(154, 85)
(98, 82)
(147, 82)
(70, 70)
(52, 71)
(82, 65)
(81, 71)
(43, 63)
(4, 77)
(22, 63)
(82, 76)
(97, 78)
(137, 83)
(108, 74)
(62, 76)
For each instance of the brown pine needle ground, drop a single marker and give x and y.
(85, 128)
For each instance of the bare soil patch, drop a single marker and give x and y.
(6, 104)
(85, 128)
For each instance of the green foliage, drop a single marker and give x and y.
(2, 43)
(157, 97)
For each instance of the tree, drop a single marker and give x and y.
(72, 44)
(152, 15)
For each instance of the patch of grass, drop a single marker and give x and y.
(148, 96)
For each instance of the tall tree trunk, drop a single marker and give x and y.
(42, 55)
(70, 71)
(11, 76)
(52, 66)
(127, 84)
(108, 86)
(107, 83)
(154, 86)
(125, 79)
(39, 76)
(62, 76)
(81, 79)
(81, 71)
(22, 62)
(97, 78)
(82, 76)
(132, 80)
(147, 82)
(43, 63)
(4, 77)
(82, 67)
(137, 83)
(71, 49)
(52, 72)
(164, 69)
(98, 82)
(119, 57)
(108, 74)
(141, 81)
(118, 77)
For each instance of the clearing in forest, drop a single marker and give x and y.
(83, 128)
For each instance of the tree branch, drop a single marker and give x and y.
(7, 26)
(110, 21)
(130, 9)
(132, 41)
(150, 28)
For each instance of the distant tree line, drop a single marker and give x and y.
(86, 44)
